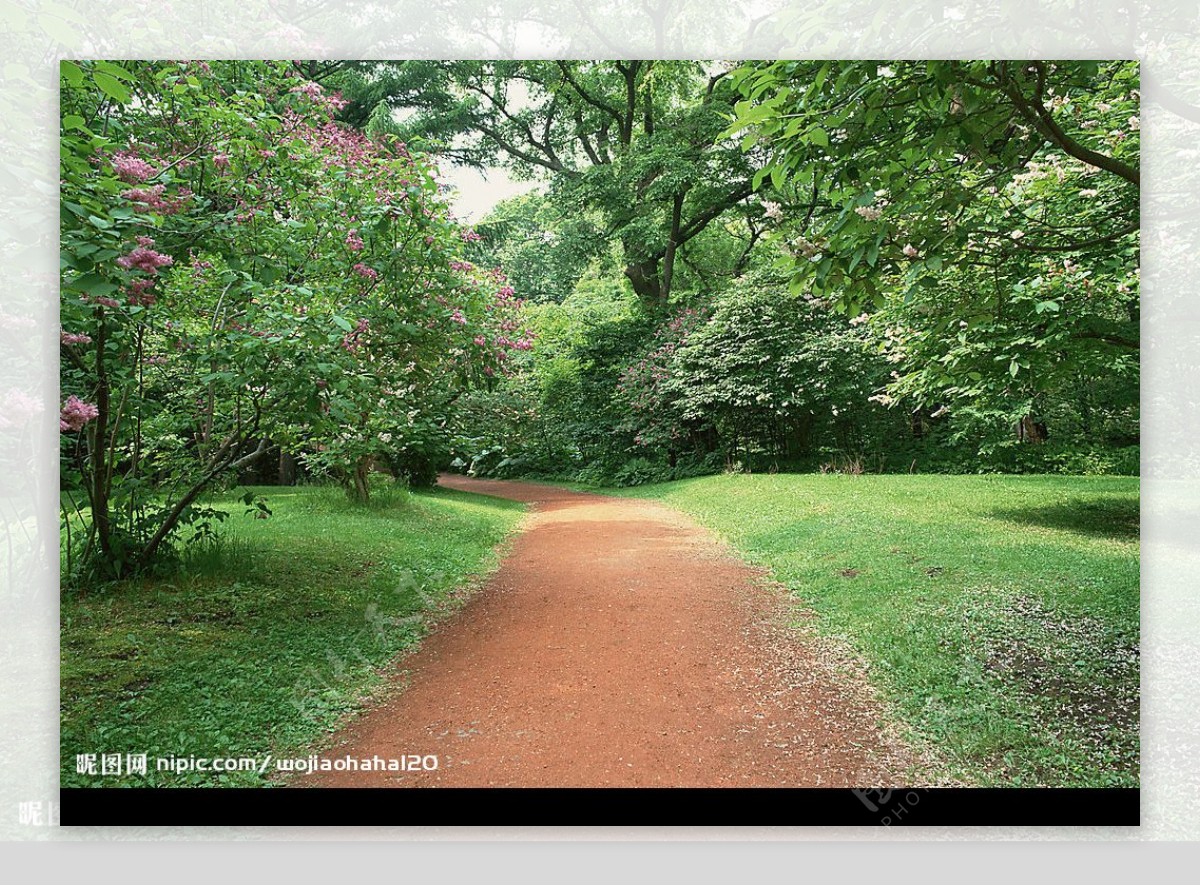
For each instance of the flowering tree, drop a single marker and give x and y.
(240, 270)
(986, 212)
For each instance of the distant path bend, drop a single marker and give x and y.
(619, 644)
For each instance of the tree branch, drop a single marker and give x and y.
(1036, 114)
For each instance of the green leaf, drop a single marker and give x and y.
(112, 87)
(70, 72)
(93, 284)
(114, 70)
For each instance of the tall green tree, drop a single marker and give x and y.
(986, 212)
(638, 142)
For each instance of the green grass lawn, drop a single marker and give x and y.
(267, 646)
(998, 615)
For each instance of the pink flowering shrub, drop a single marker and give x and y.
(75, 414)
(221, 260)
(131, 168)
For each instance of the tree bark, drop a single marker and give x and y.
(1031, 431)
(361, 490)
(646, 283)
(672, 246)
(287, 469)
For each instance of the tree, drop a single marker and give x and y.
(637, 142)
(987, 211)
(239, 269)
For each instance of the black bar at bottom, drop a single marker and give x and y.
(600, 806)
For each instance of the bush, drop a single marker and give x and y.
(640, 471)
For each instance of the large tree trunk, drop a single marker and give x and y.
(646, 283)
(361, 490)
(1031, 431)
(672, 246)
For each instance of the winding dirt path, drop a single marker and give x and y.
(619, 644)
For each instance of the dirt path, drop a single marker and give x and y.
(619, 644)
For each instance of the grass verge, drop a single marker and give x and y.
(268, 642)
(999, 615)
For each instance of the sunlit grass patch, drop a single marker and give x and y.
(998, 615)
(267, 641)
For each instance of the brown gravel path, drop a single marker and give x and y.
(619, 644)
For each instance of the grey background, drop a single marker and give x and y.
(1163, 35)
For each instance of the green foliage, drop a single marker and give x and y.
(632, 149)
(986, 214)
(939, 273)
(543, 251)
(240, 272)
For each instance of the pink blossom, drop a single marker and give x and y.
(153, 199)
(73, 338)
(139, 292)
(353, 241)
(221, 161)
(469, 235)
(457, 316)
(309, 88)
(480, 340)
(102, 300)
(366, 271)
(145, 260)
(131, 168)
(75, 413)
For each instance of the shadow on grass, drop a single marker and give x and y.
(1097, 517)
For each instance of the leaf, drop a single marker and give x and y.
(73, 121)
(93, 284)
(112, 87)
(819, 136)
(1043, 306)
(1014, 367)
(70, 72)
(114, 70)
